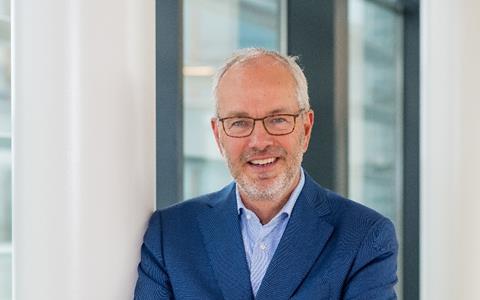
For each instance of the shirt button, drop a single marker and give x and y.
(263, 246)
(249, 217)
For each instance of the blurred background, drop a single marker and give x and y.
(212, 30)
(5, 155)
(85, 122)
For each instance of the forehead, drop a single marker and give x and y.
(257, 87)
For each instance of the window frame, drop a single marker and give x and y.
(326, 66)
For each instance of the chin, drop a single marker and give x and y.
(272, 190)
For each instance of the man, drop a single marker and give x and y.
(273, 233)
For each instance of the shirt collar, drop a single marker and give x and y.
(288, 207)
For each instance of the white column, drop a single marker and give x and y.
(450, 149)
(83, 144)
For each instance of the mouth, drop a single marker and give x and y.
(262, 163)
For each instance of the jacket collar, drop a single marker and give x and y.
(222, 238)
(302, 242)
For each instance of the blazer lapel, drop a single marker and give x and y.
(303, 240)
(222, 237)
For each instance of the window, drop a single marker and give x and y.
(213, 29)
(375, 107)
(375, 141)
(362, 144)
(5, 156)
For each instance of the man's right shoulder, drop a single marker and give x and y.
(197, 204)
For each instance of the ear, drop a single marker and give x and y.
(214, 124)
(308, 121)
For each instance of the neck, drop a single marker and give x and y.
(267, 209)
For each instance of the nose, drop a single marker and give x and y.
(260, 138)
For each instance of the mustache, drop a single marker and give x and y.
(268, 151)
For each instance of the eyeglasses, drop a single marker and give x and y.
(278, 124)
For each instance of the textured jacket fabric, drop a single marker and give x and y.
(332, 248)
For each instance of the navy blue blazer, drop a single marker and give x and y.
(332, 248)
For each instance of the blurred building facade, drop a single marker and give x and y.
(392, 82)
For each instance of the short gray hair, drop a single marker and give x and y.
(247, 54)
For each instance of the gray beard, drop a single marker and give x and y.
(281, 185)
(253, 189)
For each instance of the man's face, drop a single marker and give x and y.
(264, 166)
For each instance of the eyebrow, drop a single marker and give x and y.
(272, 112)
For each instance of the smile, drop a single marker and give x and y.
(263, 162)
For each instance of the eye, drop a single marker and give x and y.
(278, 120)
(239, 123)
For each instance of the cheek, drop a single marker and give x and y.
(231, 148)
(296, 143)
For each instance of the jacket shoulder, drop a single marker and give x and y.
(344, 213)
(345, 207)
(196, 205)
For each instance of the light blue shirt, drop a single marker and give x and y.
(261, 241)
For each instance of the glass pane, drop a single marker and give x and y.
(375, 108)
(5, 156)
(213, 29)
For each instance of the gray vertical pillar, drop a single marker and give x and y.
(169, 94)
(311, 35)
(411, 153)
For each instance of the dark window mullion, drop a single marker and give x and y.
(169, 102)
(411, 179)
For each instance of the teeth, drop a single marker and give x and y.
(263, 161)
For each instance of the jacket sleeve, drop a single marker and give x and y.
(153, 281)
(374, 272)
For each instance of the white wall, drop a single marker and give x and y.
(83, 145)
(450, 149)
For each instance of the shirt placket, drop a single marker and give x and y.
(261, 251)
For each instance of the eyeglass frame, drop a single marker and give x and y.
(295, 116)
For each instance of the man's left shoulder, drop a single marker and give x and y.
(348, 209)
(351, 217)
